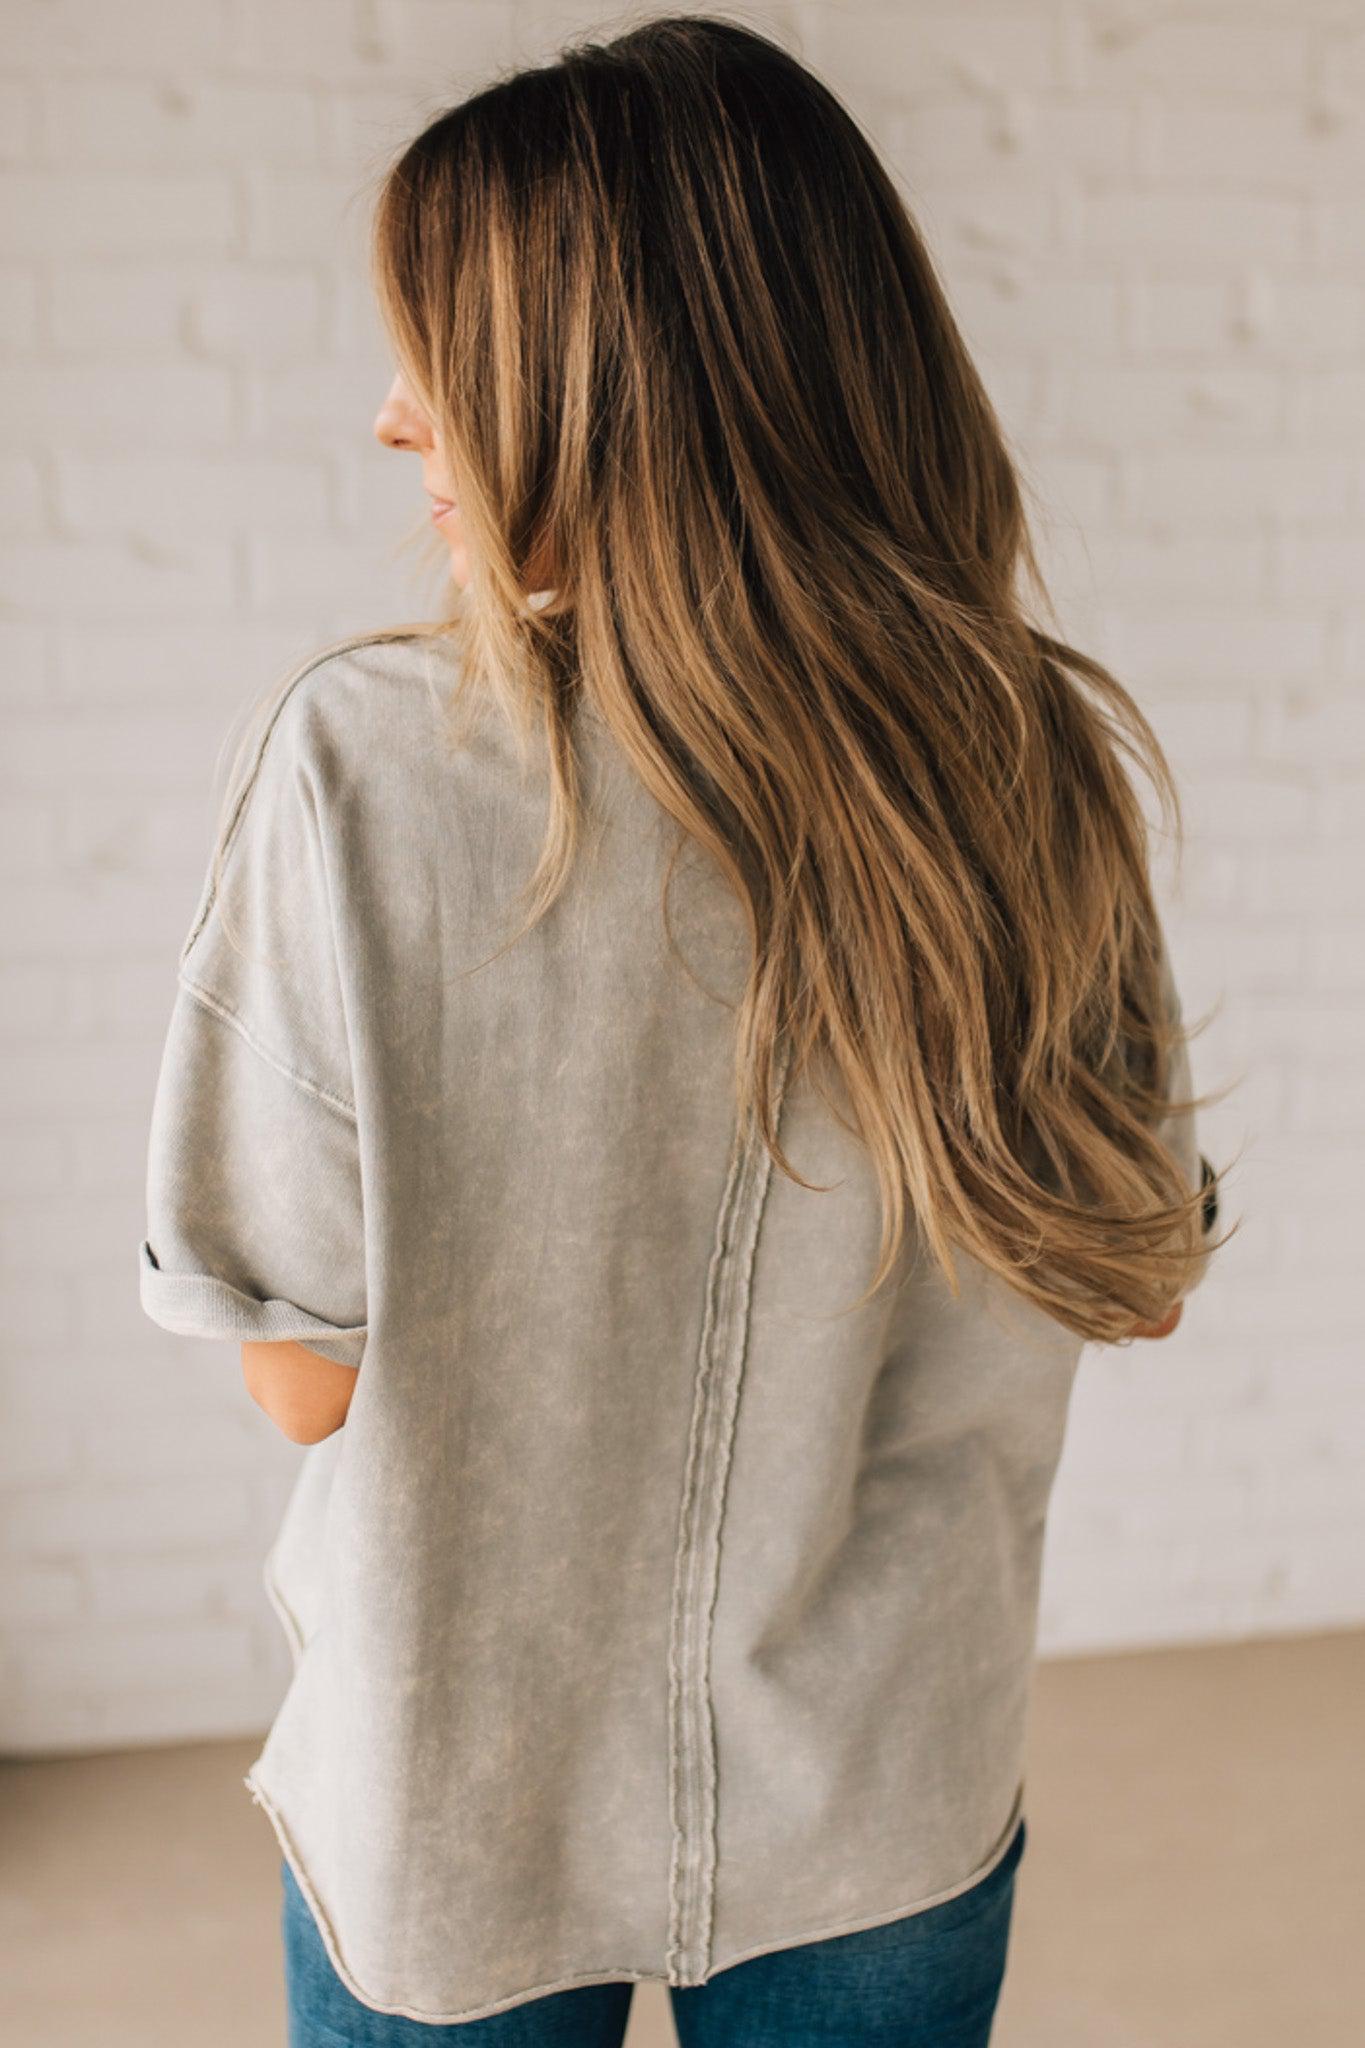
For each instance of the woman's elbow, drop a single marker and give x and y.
(305, 1396)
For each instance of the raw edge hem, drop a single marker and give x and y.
(870, 1920)
(609, 1976)
(410, 2012)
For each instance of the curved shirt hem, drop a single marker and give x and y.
(608, 1974)
(864, 1922)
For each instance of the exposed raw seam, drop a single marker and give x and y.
(209, 1001)
(730, 1389)
(609, 1975)
(351, 644)
(676, 1968)
(720, 1364)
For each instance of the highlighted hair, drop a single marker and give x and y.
(679, 337)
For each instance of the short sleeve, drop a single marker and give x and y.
(255, 1211)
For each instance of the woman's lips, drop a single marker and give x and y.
(440, 507)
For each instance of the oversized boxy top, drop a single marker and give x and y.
(647, 1613)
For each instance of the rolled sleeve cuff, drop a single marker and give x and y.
(201, 1305)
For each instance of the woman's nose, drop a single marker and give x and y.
(398, 422)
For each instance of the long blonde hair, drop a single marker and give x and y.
(678, 335)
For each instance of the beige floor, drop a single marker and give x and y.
(1195, 1873)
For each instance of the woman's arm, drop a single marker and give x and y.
(306, 1395)
(1161, 1329)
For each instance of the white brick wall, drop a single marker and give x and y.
(1147, 222)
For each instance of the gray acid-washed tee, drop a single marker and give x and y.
(647, 1613)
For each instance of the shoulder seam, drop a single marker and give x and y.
(208, 1001)
(292, 678)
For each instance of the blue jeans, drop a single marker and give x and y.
(927, 1980)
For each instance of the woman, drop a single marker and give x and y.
(700, 1264)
